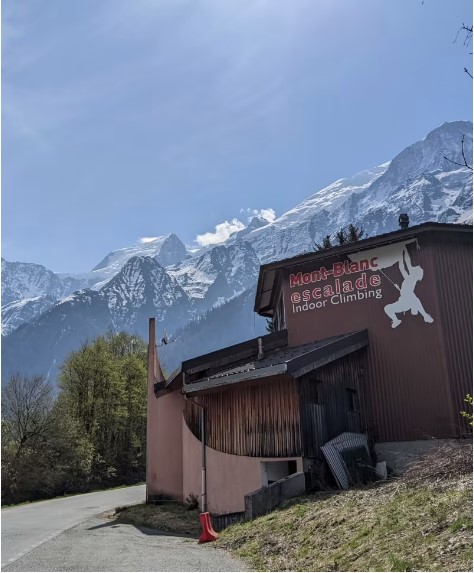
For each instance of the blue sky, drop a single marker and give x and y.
(137, 118)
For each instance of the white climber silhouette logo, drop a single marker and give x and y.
(408, 301)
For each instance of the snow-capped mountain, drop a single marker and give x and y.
(254, 223)
(23, 283)
(29, 289)
(159, 277)
(418, 181)
(28, 280)
(20, 311)
(142, 289)
(40, 346)
(167, 250)
(211, 330)
(218, 274)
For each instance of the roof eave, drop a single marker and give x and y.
(211, 384)
(378, 240)
(320, 357)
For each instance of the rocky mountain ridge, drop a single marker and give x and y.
(160, 277)
(418, 181)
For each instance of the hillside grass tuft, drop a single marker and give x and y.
(421, 522)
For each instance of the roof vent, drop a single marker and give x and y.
(261, 354)
(404, 221)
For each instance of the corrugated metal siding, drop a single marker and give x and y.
(324, 402)
(453, 262)
(335, 451)
(259, 419)
(407, 367)
(407, 390)
(407, 373)
(412, 380)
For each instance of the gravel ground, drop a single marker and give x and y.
(99, 544)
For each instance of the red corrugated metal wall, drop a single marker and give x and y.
(417, 372)
(453, 267)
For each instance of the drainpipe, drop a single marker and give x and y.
(203, 456)
(203, 462)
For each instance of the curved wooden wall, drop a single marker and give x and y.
(258, 419)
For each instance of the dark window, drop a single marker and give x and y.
(353, 402)
(279, 320)
(314, 390)
(318, 391)
(291, 467)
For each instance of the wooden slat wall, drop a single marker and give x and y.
(259, 419)
(325, 403)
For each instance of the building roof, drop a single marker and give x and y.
(224, 357)
(268, 272)
(295, 361)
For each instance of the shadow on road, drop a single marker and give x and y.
(114, 523)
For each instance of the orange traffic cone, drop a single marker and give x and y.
(208, 533)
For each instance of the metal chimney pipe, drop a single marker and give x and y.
(404, 221)
(261, 353)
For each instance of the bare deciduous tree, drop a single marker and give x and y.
(27, 410)
(467, 30)
(465, 163)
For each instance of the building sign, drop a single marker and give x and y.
(361, 277)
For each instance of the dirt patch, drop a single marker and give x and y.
(169, 516)
(445, 463)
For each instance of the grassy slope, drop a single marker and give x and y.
(389, 527)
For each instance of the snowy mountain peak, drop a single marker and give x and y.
(168, 250)
(143, 282)
(255, 223)
(28, 280)
(428, 154)
(235, 265)
(172, 251)
(418, 181)
(20, 311)
(131, 284)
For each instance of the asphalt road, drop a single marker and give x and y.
(69, 534)
(101, 545)
(27, 526)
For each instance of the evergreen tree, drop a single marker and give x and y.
(326, 244)
(354, 233)
(270, 327)
(345, 235)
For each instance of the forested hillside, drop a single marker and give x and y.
(90, 435)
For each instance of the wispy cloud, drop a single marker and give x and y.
(267, 214)
(145, 240)
(202, 75)
(222, 232)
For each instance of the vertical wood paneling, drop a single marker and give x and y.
(331, 416)
(259, 419)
